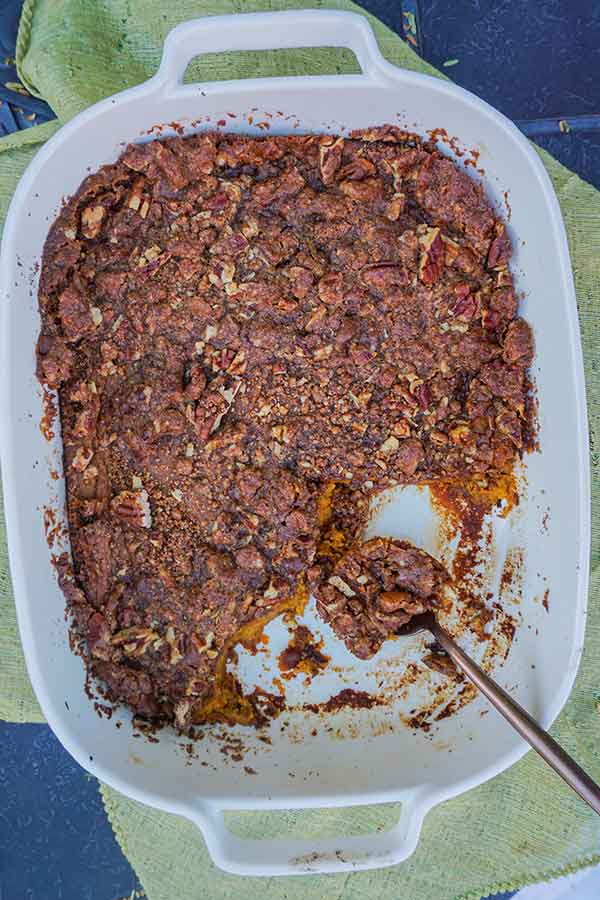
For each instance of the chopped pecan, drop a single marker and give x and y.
(110, 284)
(385, 133)
(134, 641)
(229, 245)
(452, 250)
(491, 319)
(194, 381)
(251, 559)
(410, 454)
(465, 305)
(302, 281)
(331, 288)
(182, 711)
(398, 171)
(170, 422)
(92, 218)
(392, 601)
(504, 380)
(54, 360)
(395, 207)
(390, 445)
(423, 395)
(339, 583)
(174, 643)
(151, 260)
(221, 273)
(82, 458)
(518, 343)
(508, 422)
(433, 256)
(98, 636)
(466, 261)
(213, 407)
(238, 363)
(136, 199)
(401, 428)
(75, 314)
(460, 434)
(250, 228)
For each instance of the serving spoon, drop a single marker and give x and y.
(551, 752)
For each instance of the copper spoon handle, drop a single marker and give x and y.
(563, 764)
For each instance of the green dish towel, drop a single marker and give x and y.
(522, 826)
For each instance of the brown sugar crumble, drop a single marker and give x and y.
(303, 654)
(251, 337)
(347, 698)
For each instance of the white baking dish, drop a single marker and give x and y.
(376, 764)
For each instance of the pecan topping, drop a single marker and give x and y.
(265, 334)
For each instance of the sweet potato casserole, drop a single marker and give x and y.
(250, 338)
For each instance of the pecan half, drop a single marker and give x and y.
(384, 275)
(499, 251)
(357, 169)
(367, 190)
(330, 157)
(133, 507)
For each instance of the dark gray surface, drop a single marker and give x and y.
(55, 839)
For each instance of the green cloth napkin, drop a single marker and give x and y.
(522, 826)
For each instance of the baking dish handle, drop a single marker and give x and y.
(268, 31)
(281, 856)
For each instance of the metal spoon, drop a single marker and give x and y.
(563, 764)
